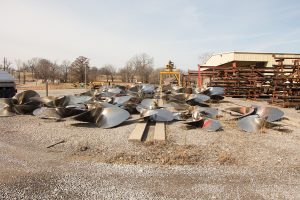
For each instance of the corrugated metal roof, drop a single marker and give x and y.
(223, 58)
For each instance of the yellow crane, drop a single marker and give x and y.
(168, 72)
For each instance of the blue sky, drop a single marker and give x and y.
(113, 31)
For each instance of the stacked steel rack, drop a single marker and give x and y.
(279, 83)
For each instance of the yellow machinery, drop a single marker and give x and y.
(97, 84)
(168, 73)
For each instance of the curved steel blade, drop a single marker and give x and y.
(134, 88)
(47, 101)
(113, 116)
(178, 89)
(25, 108)
(269, 113)
(149, 103)
(71, 100)
(121, 100)
(179, 106)
(146, 112)
(93, 116)
(214, 91)
(69, 111)
(195, 99)
(24, 97)
(114, 90)
(251, 123)
(211, 125)
(6, 107)
(204, 111)
(216, 97)
(46, 113)
(146, 88)
(197, 123)
(162, 116)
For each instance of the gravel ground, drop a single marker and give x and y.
(99, 163)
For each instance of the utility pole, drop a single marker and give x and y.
(85, 76)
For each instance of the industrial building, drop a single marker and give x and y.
(252, 75)
(244, 59)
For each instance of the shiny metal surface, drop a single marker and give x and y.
(24, 97)
(251, 123)
(211, 125)
(162, 115)
(113, 116)
(149, 103)
(121, 100)
(270, 114)
(46, 113)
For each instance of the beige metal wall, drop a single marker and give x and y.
(220, 59)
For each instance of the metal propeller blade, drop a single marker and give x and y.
(47, 113)
(216, 97)
(269, 113)
(148, 89)
(214, 91)
(113, 116)
(179, 106)
(251, 123)
(71, 100)
(197, 99)
(69, 111)
(92, 116)
(149, 103)
(25, 108)
(24, 97)
(47, 101)
(197, 123)
(114, 90)
(211, 125)
(178, 89)
(6, 107)
(162, 115)
(204, 111)
(121, 100)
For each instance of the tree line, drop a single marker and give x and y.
(139, 68)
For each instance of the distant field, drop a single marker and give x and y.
(34, 86)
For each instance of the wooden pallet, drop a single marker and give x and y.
(140, 130)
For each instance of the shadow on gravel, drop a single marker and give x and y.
(84, 125)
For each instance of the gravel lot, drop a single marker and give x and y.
(99, 163)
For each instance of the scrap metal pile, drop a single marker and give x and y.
(111, 106)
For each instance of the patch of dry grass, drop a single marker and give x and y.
(226, 158)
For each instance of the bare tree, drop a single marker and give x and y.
(6, 65)
(93, 73)
(204, 57)
(79, 68)
(19, 64)
(128, 72)
(44, 70)
(140, 65)
(65, 65)
(31, 65)
(154, 76)
(109, 71)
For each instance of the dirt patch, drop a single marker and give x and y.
(162, 154)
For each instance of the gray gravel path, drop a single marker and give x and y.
(232, 164)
